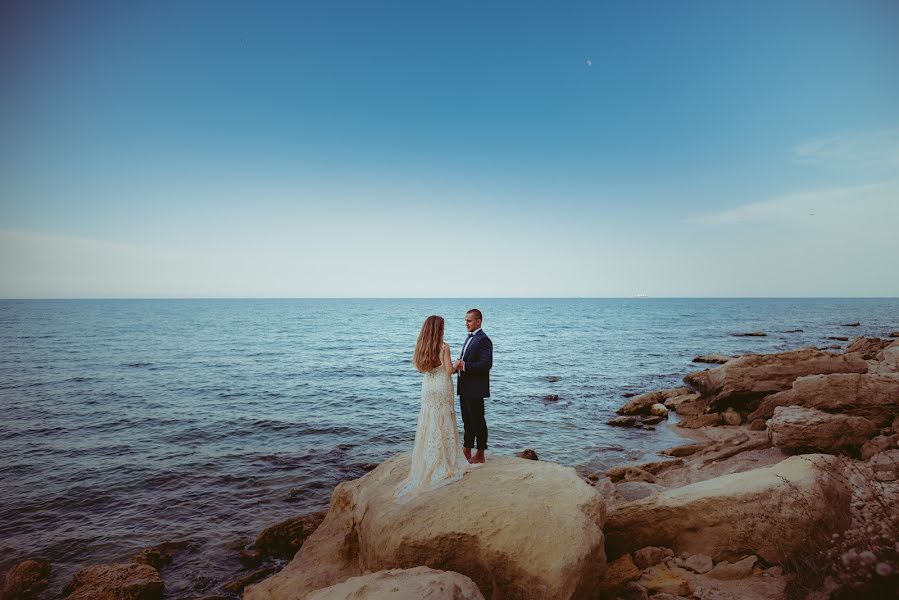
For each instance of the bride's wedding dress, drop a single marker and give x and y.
(437, 457)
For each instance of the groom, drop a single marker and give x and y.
(473, 386)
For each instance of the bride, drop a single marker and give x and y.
(437, 457)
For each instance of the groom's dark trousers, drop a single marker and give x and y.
(473, 386)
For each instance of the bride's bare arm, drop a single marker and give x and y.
(447, 360)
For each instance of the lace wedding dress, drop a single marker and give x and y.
(437, 457)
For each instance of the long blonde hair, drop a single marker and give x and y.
(429, 345)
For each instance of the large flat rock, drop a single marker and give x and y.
(742, 382)
(773, 512)
(517, 528)
(420, 583)
(799, 429)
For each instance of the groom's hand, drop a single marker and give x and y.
(460, 366)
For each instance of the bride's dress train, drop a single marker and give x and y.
(437, 457)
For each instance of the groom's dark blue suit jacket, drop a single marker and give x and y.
(474, 382)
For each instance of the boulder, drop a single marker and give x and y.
(515, 527)
(528, 454)
(738, 570)
(894, 334)
(641, 405)
(773, 512)
(617, 474)
(687, 404)
(115, 582)
(651, 556)
(698, 421)
(797, 429)
(26, 580)
(879, 444)
(658, 410)
(624, 421)
(618, 573)
(873, 396)
(867, 348)
(742, 382)
(886, 465)
(160, 555)
(419, 583)
(698, 563)
(888, 361)
(283, 539)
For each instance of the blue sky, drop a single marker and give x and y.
(465, 149)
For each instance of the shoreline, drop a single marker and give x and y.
(159, 557)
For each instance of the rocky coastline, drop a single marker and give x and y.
(787, 486)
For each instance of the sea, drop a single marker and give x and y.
(128, 423)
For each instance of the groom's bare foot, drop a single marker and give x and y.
(467, 453)
(478, 457)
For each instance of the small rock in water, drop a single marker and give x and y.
(839, 338)
(651, 420)
(658, 410)
(551, 398)
(623, 421)
(158, 556)
(283, 539)
(716, 359)
(553, 378)
(856, 324)
(793, 331)
(528, 454)
(115, 581)
(237, 585)
(369, 467)
(751, 334)
(894, 334)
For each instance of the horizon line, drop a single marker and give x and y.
(55, 298)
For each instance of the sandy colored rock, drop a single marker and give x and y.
(661, 579)
(879, 444)
(772, 512)
(624, 421)
(115, 582)
(685, 450)
(658, 410)
(744, 381)
(794, 429)
(737, 570)
(698, 421)
(617, 474)
(419, 583)
(698, 563)
(867, 348)
(26, 580)
(687, 404)
(641, 405)
(517, 528)
(873, 396)
(618, 572)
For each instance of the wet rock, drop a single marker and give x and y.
(369, 467)
(655, 420)
(894, 334)
(403, 584)
(553, 378)
(717, 359)
(873, 396)
(838, 338)
(698, 563)
(642, 404)
(159, 556)
(658, 410)
(685, 450)
(855, 324)
(237, 585)
(744, 381)
(551, 398)
(661, 579)
(115, 582)
(794, 428)
(26, 580)
(738, 570)
(618, 573)
(528, 454)
(283, 539)
(886, 465)
(623, 421)
(651, 556)
(751, 334)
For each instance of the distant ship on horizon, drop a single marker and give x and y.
(641, 295)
